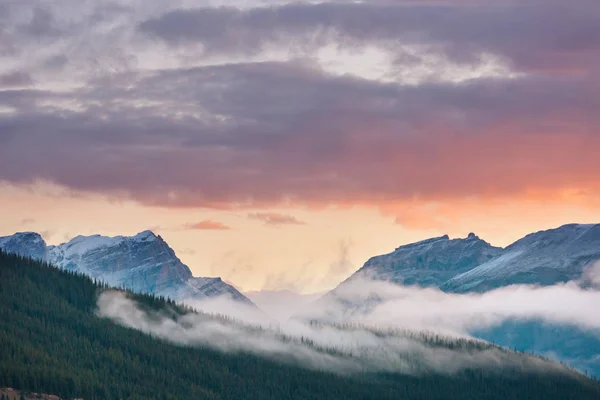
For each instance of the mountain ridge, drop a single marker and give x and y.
(545, 258)
(144, 263)
(428, 262)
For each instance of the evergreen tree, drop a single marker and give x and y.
(53, 342)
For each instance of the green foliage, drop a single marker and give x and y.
(51, 341)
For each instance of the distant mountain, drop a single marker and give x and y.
(27, 244)
(472, 265)
(143, 263)
(544, 258)
(430, 262)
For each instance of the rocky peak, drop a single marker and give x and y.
(146, 236)
(429, 262)
(27, 244)
(144, 263)
(545, 257)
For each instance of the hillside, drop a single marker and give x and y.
(53, 342)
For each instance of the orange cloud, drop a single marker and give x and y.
(207, 225)
(272, 218)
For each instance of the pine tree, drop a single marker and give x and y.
(52, 342)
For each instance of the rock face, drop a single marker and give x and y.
(27, 244)
(430, 262)
(544, 258)
(143, 263)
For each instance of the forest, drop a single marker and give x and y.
(52, 341)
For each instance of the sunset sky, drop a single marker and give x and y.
(280, 144)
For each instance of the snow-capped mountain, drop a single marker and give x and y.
(144, 263)
(467, 265)
(429, 262)
(27, 244)
(545, 258)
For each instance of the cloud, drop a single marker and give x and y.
(207, 225)
(187, 251)
(463, 100)
(384, 304)
(282, 304)
(272, 218)
(15, 79)
(292, 134)
(373, 325)
(591, 275)
(339, 349)
(532, 35)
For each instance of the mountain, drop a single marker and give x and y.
(143, 263)
(430, 262)
(545, 258)
(53, 341)
(472, 265)
(27, 244)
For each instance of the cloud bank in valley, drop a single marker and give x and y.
(372, 326)
(386, 304)
(340, 349)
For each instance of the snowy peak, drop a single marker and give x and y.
(145, 236)
(429, 262)
(27, 244)
(472, 264)
(566, 236)
(424, 243)
(143, 263)
(545, 257)
(84, 244)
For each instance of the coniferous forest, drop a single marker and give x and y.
(51, 341)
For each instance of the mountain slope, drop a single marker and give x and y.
(53, 342)
(26, 244)
(545, 258)
(430, 262)
(542, 258)
(143, 263)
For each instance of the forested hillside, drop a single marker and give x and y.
(52, 342)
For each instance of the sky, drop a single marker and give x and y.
(281, 144)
